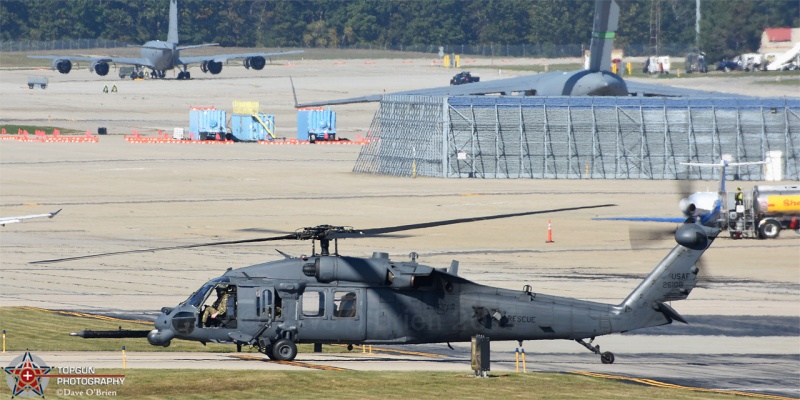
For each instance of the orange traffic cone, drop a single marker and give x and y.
(549, 232)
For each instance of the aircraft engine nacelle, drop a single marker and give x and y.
(211, 66)
(687, 207)
(100, 67)
(329, 269)
(410, 277)
(257, 63)
(61, 65)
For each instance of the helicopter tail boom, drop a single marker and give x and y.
(673, 279)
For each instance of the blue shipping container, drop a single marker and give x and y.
(320, 122)
(206, 123)
(248, 128)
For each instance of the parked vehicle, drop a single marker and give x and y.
(728, 65)
(696, 62)
(40, 81)
(463, 77)
(765, 212)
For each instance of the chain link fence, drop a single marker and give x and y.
(66, 44)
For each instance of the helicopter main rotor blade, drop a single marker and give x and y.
(327, 232)
(187, 246)
(380, 231)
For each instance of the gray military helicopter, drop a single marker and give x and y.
(330, 298)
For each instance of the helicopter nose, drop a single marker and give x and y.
(163, 321)
(162, 335)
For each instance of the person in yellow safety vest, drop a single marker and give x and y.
(739, 197)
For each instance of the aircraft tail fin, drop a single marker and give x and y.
(606, 22)
(672, 279)
(172, 36)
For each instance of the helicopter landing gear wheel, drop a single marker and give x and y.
(605, 357)
(284, 350)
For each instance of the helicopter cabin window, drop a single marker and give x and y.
(313, 304)
(264, 303)
(344, 304)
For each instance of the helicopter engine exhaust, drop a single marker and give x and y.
(329, 269)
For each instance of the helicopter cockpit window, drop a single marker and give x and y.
(220, 309)
(345, 304)
(197, 298)
(313, 304)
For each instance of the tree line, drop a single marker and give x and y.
(727, 27)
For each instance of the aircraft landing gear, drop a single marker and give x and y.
(184, 75)
(605, 357)
(284, 350)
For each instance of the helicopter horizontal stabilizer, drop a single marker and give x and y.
(670, 312)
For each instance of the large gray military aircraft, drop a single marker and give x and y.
(160, 57)
(598, 80)
(330, 298)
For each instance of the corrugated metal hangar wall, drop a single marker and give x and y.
(578, 137)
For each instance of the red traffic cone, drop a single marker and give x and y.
(549, 232)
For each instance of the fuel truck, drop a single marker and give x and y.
(764, 212)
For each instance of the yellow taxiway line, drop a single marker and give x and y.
(293, 363)
(651, 382)
(85, 315)
(395, 351)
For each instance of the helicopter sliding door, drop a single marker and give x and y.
(333, 314)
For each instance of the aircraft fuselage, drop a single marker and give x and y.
(162, 54)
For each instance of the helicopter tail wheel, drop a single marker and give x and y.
(284, 350)
(605, 357)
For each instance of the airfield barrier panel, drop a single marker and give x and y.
(579, 137)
